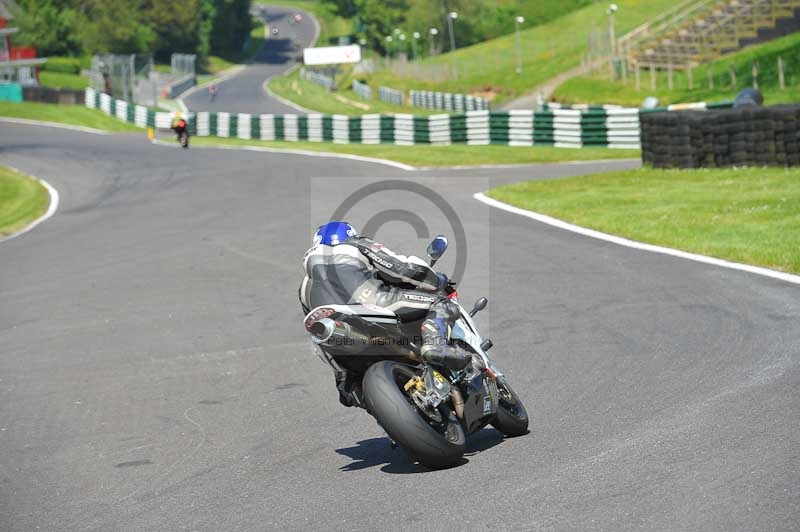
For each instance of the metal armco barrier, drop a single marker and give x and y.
(393, 96)
(447, 101)
(747, 135)
(318, 78)
(362, 89)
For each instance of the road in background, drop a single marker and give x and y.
(155, 375)
(244, 92)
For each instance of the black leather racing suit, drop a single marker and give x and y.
(362, 271)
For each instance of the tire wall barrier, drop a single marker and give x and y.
(612, 128)
(447, 101)
(747, 135)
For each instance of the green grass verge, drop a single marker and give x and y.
(749, 215)
(65, 114)
(317, 98)
(587, 89)
(425, 155)
(22, 200)
(62, 80)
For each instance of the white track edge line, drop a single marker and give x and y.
(44, 123)
(51, 208)
(555, 222)
(309, 153)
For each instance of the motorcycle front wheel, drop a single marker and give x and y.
(436, 444)
(184, 139)
(511, 418)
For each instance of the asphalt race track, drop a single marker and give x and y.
(244, 93)
(154, 373)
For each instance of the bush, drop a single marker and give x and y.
(65, 65)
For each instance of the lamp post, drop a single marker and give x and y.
(432, 33)
(612, 39)
(416, 36)
(519, 20)
(389, 47)
(402, 44)
(450, 18)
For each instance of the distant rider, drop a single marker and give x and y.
(345, 268)
(178, 124)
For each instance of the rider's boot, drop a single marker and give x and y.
(435, 327)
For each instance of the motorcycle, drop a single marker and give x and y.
(426, 409)
(182, 131)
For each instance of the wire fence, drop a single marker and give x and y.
(779, 72)
(119, 75)
(183, 64)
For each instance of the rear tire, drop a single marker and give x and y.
(184, 139)
(432, 445)
(511, 418)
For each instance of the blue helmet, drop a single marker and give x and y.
(333, 233)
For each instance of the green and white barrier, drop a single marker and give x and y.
(448, 101)
(613, 127)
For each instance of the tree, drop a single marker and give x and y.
(49, 25)
(176, 29)
(115, 26)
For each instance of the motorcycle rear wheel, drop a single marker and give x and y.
(511, 418)
(184, 139)
(434, 445)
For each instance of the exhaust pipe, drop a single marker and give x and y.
(332, 333)
(328, 331)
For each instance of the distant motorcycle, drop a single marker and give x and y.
(212, 92)
(180, 127)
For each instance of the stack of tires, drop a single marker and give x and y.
(749, 135)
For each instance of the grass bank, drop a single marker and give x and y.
(75, 115)
(454, 155)
(22, 200)
(345, 101)
(709, 82)
(489, 68)
(748, 215)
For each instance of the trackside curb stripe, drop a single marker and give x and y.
(51, 209)
(555, 222)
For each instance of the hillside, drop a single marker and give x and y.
(587, 89)
(489, 68)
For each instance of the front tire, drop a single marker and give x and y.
(436, 446)
(511, 418)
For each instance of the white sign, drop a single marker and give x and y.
(332, 55)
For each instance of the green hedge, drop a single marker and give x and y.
(65, 65)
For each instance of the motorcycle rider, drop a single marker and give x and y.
(178, 123)
(343, 267)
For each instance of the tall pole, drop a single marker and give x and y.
(450, 18)
(613, 41)
(519, 20)
(433, 32)
(416, 36)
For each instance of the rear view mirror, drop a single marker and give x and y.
(436, 248)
